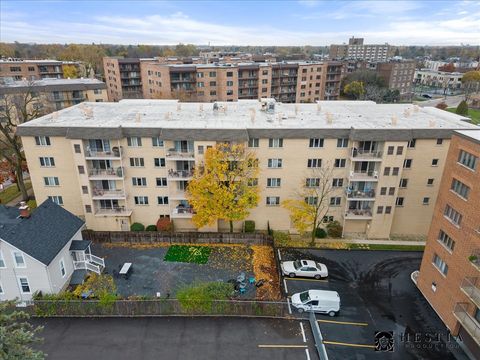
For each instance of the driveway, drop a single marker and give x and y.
(176, 338)
(451, 101)
(376, 294)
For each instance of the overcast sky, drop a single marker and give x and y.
(307, 22)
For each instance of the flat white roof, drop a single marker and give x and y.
(472, 134)
(50, 82)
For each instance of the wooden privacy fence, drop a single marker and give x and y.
(157, 307)
(178, 237)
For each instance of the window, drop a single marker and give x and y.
(388, 209)
(430, 182)
(88, 208)
(342, 143)
(159, 162)
(411, 143)
(460, 188)
(56, 199)
(200, 84)
(2, 261)
(264, 72)
(134, 141)
(386, 171)
(212, 74)
(1, 289)
(253, 142)
(24, 286)
(42, 140)
(273, 182)
(62, 268)
(434, 162)
(139, 181)
(275, 143)
(316, 143)
(439, 141)
(395, 171)
(311, 200)
(200, 75)
(383, 191)
(81, 169)
(453, 215)
(51, 181)
(156, 142)
(446, 240)
(162, 200)
(274, 163)
(161, 181)
(47, 162)
(253, 182)
(19, 260)
(407, 163)
(137, 162)
(340, 163)
(314, 163)
(312, 182)
(230, 92)
(77, 149)
(399, 150)
(213, 93)
(213, 83)
(379, 209)
(335, 201)
(141, 200)
(426, 200)
(403, 183)
(229, 73)
(390, 150)
(273, 200)
(391, 191)
(467, 159)
(440, 264)
(400, 201)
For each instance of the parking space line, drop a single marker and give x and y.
(285, 285)
(279, 255)
(284, 346)
(303, 332)
(307, 353)
(297, 279)
(348, 344)
(289, 308)
(343, 322)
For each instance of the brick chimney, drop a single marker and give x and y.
(24, 210)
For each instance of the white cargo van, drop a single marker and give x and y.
(321, 301)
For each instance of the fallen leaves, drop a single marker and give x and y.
(264, 267)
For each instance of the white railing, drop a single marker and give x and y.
(358, 213)
(180, 174)
(116, 172)
(180, 154)
(363, 174)
(108, 193)
(469, 323)
(470, 286)
(95, 259)
(113, 211)
(115, 153)
(374, 154)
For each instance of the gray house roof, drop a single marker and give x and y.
(48, 229)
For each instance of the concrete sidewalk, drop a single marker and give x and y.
(374, 242)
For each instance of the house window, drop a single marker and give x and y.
(253, 142)
(275, 143)
(467, 159)
(273, 200)
(81, 169)
(51, 181)
(426, 200)
(213, 83)
(213, 93)
(434, 162)
(451, 214)
(42, 140)
(327, 219)
(311, 200)
(159, 162)
(395, 171)
(399, 150)
(139, 181)
(383, 191)
(200, 84)
(391, 191)
(316, 143)
(77, 149)
(161, 182)
(56, 199)
(212, 74)
(400, 201)
(342, 143)
(141, 200)
(340, 163)
(273, 182)
(156, 142)
(439, 141)
(440, 264)
(1, 288)
(335, 201)
(460, 188)
(84, 189)
(314, 163)
(252, 182)
(407, 163)
(430, 182)
(137, 162)
(47, 162)
(162, 200)
(229, 73)
(200, 149)
(379, 209)
(446, 240)
(390, 150)
(388, 209)
(62, 268)
(312, 182)
(2, 261)
(134, 141)
(24, 286)
(403, 183)
(274, 163)
(19, 260)
(386, 171)
(88, 208)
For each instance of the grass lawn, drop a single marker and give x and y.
(11, 192)
(474, 114)
(188, 254)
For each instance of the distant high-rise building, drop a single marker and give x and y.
(19, 69)
(356, 49)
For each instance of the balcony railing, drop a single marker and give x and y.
(183, 212)
(366, 154)
(475, 258)
(358, 214)
(470, 286)
(172, 153)
(95, 153)
(364, 175)
(469, 323)
(361, 194)
(180, 174)
(110, 172)
(108, 193)
(113, 211)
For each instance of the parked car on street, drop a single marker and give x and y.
(320, 301)
(304, 268)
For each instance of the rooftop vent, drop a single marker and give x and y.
(179, 106)
(394, 120)
(329, 117)
(137, 118)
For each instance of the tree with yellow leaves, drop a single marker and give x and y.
(312, 201)
(222, 188)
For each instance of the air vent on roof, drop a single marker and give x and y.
(406, 112)
(253, 113)
(200, 107)
(179, 106)
(432, 123)
(329, 117)
(138, 118)
(319, 108)
(394, 120)
(416, 108)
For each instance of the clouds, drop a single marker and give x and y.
(244, 23)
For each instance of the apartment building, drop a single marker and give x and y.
(356, 49)
(122, 77)
(449, 276)
(19, 69)
(118, 163)
(57, 94)
(398, 75)
(438, 79)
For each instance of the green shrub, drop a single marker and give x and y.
(151, 228)
(249, 226)
(334, 229)
(164, 224)
(137, 227)
(281, 238)
(320, 233)
(462, 108)
(199, 298)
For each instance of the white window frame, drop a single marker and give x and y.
(134, 141)
(47, 161)
(316, 143)
(143, 202)
(253, 142)
(15, 259)
(21, 287)
(43, 141)
(51, 181)
(137, 162)
(270, 203)
(163, 180)
(343, 142)
(274, 163)
(136, 182)
(157, 142)
(275, 143)
(163, 202)
(1, 289)
(4, 266)
(161, 164)
(274, 182)
(63, 270)
(314, 163)
(57, 199)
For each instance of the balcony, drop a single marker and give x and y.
(180, 174)
(358, 214)
(173, 154)
(109, 173)
(474, 259)
(93, 154)
(177, 195)
(183, 212)
(113, 211)
(365, 155)
(354, 194)
(470, 286)
(103, 194)
(468, 322)
(364, 175)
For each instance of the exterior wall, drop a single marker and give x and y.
(35, 70)
(112, 79)
(309, 83)
(448, 290)
(398, 75)
(438, 79)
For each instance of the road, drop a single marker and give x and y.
(451, 101)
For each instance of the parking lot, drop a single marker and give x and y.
(173, 338)
(376, 294)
